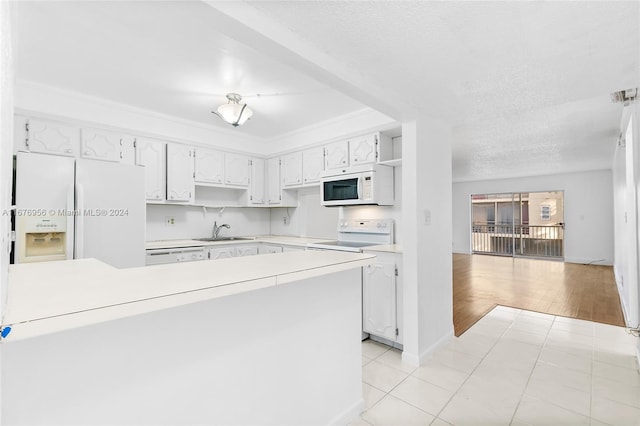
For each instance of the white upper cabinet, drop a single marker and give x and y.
(152, 155)
(209, 166)
(312, 165)
(274, 191)
(292, 169)
(50, 137)
(363, 149)
(336, 155)
(236, 169)
(257, 186)
(128, 150)
(180, 171)
(101, 145)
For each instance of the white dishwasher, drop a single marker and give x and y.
(174, 255)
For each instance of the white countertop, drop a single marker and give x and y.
(274, 239)
(388, 248)
(53, 296)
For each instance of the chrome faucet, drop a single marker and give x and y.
(216, 229)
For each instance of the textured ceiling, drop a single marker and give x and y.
(525, 84)
(168, 57)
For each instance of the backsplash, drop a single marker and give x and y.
(310, 219)
(195, 222)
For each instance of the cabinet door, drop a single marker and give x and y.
(336, 155)
(209, 166)
(50, 137)
(274, 190)
(257, 181)
(128, 150)
(363, 149)
(180, 164)
(222, 252)
(268, 249)
(292, 169)
(312, 165)
(152, 155)
(101, 145)
(246, 250)
(379, 300)
(236, 169)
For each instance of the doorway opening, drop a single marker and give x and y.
(524, 224)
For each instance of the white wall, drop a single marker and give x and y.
(626, 172)
(6, 151)
(588, 201)
(426, 238)
(310, 219)
(6, 146)
(194, 222)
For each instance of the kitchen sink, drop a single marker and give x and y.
(224, 239)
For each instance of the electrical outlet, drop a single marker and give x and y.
(285, 220)
(169, 220)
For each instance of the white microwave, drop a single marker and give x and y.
(361, 185)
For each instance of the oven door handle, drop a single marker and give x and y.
(359, 187)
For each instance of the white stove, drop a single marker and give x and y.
(356, 234)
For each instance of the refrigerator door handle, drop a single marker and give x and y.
(79, 252)
(71, 214)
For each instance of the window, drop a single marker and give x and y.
(545, 212)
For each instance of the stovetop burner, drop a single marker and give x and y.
(356, 234)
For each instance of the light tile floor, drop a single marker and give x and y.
(513, 367)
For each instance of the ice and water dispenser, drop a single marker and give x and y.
(42, 238)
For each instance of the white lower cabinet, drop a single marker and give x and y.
(270, 248)
(222, 252)
(246, 250)
(382, 297)
(235, 250)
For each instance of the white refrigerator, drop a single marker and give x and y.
(69, 208)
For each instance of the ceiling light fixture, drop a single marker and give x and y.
(233, 112)
(624, 96)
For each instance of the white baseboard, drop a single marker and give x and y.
(623, 301)
(605, 262)
(461, 251)
(349, 415)
(418, 359)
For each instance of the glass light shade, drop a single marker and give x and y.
(234, 114)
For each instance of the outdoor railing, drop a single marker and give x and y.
(521, 240)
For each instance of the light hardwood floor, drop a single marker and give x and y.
(481, 282)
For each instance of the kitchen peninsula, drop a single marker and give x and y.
(232, 341)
